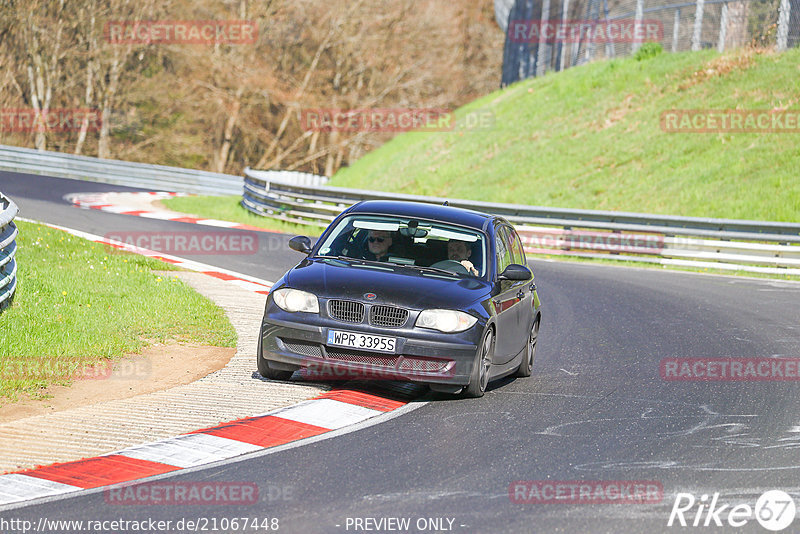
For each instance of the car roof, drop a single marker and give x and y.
(447, 214)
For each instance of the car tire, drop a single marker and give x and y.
(265, 370)
(479, 378)
(526, 365)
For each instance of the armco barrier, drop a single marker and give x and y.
(8, 250)
(110, 171)
(728, 244)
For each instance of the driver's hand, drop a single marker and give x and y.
(470, 268)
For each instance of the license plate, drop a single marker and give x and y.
(361, 341)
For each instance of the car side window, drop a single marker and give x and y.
(504, 258)
(517, 252)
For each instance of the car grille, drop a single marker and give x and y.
(387, 316)
(303, 347)
(348, 311)
(355, 356)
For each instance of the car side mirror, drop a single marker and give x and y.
(515, 272)
(300, 243)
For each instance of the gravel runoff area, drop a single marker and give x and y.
(234, 392)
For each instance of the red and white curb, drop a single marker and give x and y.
(140, 204)
(328, 412)
(249, 283)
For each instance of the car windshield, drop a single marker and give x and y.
(423, 244)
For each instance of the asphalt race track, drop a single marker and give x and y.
(596, 409)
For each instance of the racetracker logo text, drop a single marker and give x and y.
(581, 31)
(555, 240)
(730, 369)
(184, 494)
(208, 32)
(392, 370)
(730, 121)
(49, 120)
(190, 243)
(393, 120)
(585, 492)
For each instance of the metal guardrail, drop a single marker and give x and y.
(730, 244)
(8, 250)
(152, 177)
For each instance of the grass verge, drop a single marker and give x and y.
(590, 137)
(80, 303)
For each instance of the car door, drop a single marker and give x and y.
(506, 302)
(526, 290)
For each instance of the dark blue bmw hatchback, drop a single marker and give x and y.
(405, 291)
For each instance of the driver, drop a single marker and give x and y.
(378, 243)
(461, 251)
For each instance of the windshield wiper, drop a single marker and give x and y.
(344, 258)
(388, 263)
(432, 269)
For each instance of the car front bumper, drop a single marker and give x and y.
(292, 341)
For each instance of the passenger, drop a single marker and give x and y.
(461, 251)
(378, 243)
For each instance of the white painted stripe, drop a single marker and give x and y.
(215, 222)
(250, 286)
(162, 215)
(189, 450)
(16, 488)
(119, 208)
(326, 413)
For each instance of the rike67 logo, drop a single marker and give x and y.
(774, 510)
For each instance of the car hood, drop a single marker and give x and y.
(391, 284)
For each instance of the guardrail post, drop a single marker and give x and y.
(723, 28)
(564, 12)
(698, 25)
(637, 21)
(783, 25)
(543, 59)
(609, 44)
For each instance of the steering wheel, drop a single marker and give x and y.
(450, 265)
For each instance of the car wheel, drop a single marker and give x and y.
(264, 368)
(479, 378)
(526, 366)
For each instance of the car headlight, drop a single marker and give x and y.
(294, 300)
(445, 320)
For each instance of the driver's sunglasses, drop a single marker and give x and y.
(378, 239)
